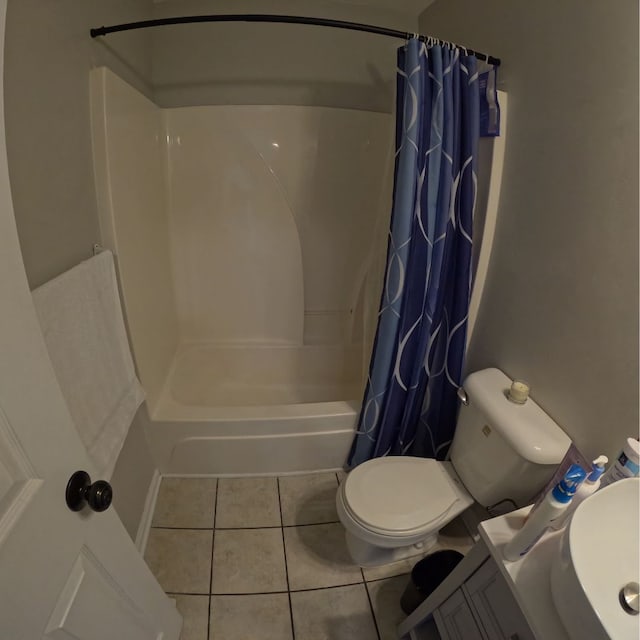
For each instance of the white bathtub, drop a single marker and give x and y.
(256, 410)
(255, 226)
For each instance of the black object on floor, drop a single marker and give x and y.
(426, 576)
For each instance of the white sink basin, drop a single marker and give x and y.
(598, 555)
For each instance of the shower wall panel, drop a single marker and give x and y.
(128, 157)
(273, 212)
(237, 257)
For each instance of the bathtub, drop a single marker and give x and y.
(256, 409)
(245, 270)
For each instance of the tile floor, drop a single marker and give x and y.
(265, 558)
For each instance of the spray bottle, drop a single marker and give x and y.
(589, 486)
(552, 507)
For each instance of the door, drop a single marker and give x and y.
(63, 575)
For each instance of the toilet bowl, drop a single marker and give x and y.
(393, 507)
(502, 452)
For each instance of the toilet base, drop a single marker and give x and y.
(369, 555)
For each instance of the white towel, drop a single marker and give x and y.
(81, 319)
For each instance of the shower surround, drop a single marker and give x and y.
(250, 243)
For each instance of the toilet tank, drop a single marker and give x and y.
(502, 450)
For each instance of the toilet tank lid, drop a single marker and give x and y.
(525, 427)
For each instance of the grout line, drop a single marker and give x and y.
(267, 593)
(309, 524)
(213, 541)
(395, 575)
(269, 526)
(252, 593)
(286, 568)
(184, 528)
(335, 586)
(373, 613)
(215, 506)
(286, 526)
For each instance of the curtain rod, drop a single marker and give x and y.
(257, 17)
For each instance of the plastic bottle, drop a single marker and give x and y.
(627, 464)
(552, 507)
(589, 486)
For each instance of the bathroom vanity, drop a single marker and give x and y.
(487, 598)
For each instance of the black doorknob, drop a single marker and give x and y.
(80, 490)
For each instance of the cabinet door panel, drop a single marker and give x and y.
(495, 605)
(455, 620)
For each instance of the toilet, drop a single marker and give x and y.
(502, 452)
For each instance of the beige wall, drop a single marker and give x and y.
(48, 55)
(243, 63)
(561, 301)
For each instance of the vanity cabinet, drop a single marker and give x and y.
(487, 598)
(483, 608)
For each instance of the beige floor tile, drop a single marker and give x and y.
(342, 476)
(180, 559)
(195, 613)
(247, 502)
(185, 502)
(342, 613)
(309, 499)
(317, 556)
(263, 617)
(248, 561)
(385, 598)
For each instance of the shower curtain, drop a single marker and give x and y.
(410, 403)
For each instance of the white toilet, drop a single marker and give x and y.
(393, 507)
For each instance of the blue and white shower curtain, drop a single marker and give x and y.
(410, 403)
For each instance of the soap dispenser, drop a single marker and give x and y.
(589, 486)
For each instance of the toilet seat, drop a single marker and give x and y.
(402, 497)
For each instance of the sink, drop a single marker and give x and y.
(597, 557)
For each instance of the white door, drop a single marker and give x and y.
(63, 575)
